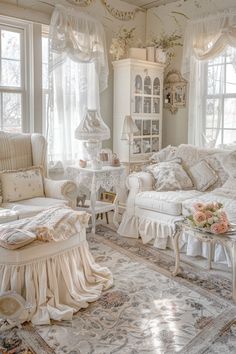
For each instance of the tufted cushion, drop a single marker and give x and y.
(22, 184)
(165, 202)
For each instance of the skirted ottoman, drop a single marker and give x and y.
(56, 278)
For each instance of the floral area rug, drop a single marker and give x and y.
(192, 272)
(147, 310)
(23, 341)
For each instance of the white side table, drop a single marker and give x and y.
(228, 240)
(107, 178)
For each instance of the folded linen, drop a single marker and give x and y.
(54, 224)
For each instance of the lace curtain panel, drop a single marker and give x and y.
(209, 43)
(78, 72)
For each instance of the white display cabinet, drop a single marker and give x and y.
(138, 91)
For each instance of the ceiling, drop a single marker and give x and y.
(148, 4)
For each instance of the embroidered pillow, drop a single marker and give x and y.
(22, 184)
(170, 176)
(12, 238)
(203, 176)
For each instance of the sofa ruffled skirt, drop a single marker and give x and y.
(150, 228)
(56, 279)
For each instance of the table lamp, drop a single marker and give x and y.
(92, 130)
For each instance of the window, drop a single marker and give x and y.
(220, 100)
(15, 75)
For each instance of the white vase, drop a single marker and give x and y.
(150, 51)
(160, 56)
(137, 53)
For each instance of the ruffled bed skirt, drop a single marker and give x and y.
(57, 286)
(159, 233)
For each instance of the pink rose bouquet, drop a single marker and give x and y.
(210, 217)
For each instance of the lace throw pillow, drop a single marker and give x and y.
(13, 238)
(203, 176)
(170, 176)
(22, 184)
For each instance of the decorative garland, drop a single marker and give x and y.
(119, 14)
(81, 2)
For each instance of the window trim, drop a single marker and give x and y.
(27, 87)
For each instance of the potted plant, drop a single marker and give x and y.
(121, 42)
(164, 47)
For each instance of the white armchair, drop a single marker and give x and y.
(19, 151)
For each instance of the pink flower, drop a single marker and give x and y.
(199, 217)
(198, 206)
(210, 206)
(215, 228)
(208, 214)
(223, 227)
(224, 217)
(219, 228)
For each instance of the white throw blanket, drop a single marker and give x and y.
(54, 224)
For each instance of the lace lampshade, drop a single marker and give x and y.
(92, 130)
(92, 127)
(128, 129)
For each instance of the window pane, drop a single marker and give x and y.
(11, 108)
(213, 116)
(213, 137)
(218, 60)
(10, 44)
(230, 112)
(229, 137)
(230, 79)
(230, 54)
(215, 79)
(11, 73)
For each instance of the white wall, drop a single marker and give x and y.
(39, 12)
(169, 18)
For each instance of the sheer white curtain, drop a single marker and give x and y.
(78, 72)
(205, 40)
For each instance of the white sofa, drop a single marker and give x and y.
(20, 151)
(152, 214)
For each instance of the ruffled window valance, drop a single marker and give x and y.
(81, 38)
(208, 37)
(78, 72)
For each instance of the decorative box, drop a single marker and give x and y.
(137, 53)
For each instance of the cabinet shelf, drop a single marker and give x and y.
(138, 91)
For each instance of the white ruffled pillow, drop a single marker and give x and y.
(22, 184)
(170, 176)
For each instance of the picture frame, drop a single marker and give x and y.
(108, 197)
